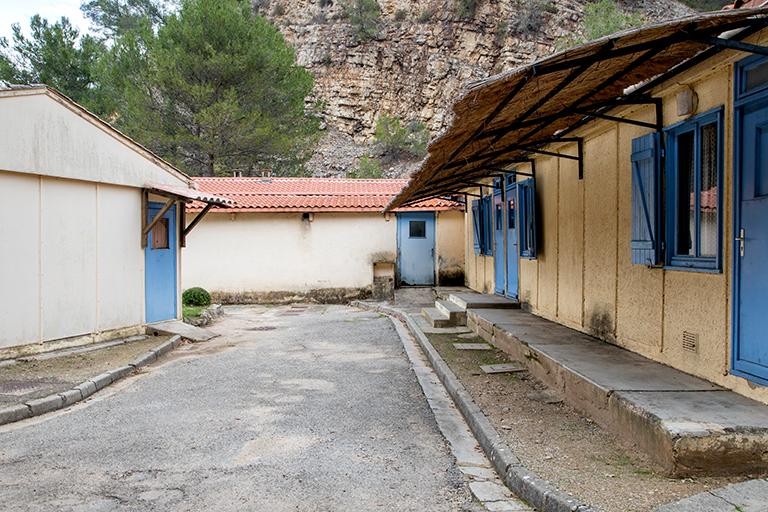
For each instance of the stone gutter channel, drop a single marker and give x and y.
(85, 389)
(524, 483)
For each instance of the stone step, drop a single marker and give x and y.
(457, 315)
(436, 318)
(471, 300)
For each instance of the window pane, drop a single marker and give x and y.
(417, 229)
(159, 234)
(708, 201)
(499, 219)
(756, 77)
(685, 194)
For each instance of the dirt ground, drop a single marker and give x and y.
(26, 380)
(561, 445)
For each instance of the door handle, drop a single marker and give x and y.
(741, 239)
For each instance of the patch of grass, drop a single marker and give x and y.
(192, 311)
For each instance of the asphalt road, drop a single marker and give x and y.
(290, 409)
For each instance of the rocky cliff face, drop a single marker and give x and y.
(417, 64)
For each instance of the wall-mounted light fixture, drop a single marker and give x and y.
(687, 101)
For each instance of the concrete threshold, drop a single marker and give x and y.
(688, 425)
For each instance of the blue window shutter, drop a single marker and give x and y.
(488, 225)
(526, 211)
(645, 200)
(477, 224)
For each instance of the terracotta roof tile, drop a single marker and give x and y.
(309, 194)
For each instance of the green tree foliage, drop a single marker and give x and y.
(54, 54)
(368, 168)
(8, 70)
(399, 141)
(602, 18)
(365, 18)
(114, 17)
(217, 89)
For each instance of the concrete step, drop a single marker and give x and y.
(688, 425)
(436, 318)
(457, 314)
(471, 300)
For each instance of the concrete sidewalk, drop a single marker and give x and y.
(688, 425)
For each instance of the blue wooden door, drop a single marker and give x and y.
(498, 241)
(160, 266)
(751, 254)
(416, 248)
(511, 227)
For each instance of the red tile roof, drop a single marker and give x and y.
(310, 194)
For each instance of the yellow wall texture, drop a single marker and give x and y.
(583, 276)
(478, 269)
(449, 244)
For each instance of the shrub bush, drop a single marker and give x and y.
(398, 141)
(425, 16)
(530, 19)
(465, 9)
(369, 168)
(365, 17)
(602, 18)
(196, 297)
(278, 10)
(401, 14)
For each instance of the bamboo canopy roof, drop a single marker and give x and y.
(499, 120)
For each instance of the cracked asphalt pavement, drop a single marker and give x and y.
(303, 408)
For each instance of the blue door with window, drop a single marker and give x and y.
(416, 248)
(512, 249)
(160, 266)
(498, 239)
(750, 249)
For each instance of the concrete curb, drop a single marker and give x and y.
(85, 389)
(525, 484)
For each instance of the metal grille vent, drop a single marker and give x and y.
(690, 341)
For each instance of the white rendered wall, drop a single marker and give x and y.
(40, 135)
(270, 252)
(71, 262)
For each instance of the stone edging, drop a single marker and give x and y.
(85, 389)
(207, 316)
(525, 484)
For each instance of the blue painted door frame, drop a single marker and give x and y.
(160, 271)
(416, 248)
(512, 247)
(750, 271)
(498, 240)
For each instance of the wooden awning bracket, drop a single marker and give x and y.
(146, 228)
(195, 222)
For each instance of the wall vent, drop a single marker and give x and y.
(690, 341)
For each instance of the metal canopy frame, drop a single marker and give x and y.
(489, 157)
